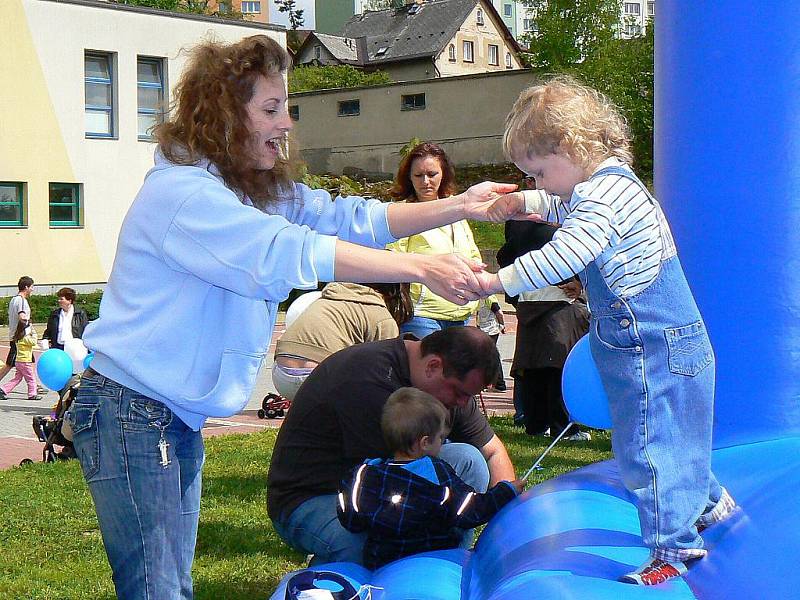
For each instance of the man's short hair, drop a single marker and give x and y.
(410, 414)
(67, 293)
(463, 349)
(24, 282)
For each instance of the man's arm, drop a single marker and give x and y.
(500, 467)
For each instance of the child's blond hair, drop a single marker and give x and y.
(410, 414)
(561, 116)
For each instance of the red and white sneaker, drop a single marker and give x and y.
(723, 509)
(655, 571)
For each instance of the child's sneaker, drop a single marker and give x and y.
(655, 571)
(581, 436)
(721, 511)
(3, 395)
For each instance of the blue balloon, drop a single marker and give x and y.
(54, 368)
(88, 360)
(583, 391)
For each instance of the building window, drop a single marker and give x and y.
(633, 8)
(451, 53)
(508, 60)
(65, 204)
(150, 91)
(651, 9)
(479, 14)
(632, 29)
(12, 212)
(294, 112)
(529, 25)
(412, 101)
(507, 10)
(99, 95)
(349, 108)
(317, 52)
(467, 52)
(251, 7)
(494, 54)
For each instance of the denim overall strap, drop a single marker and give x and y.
(657, 367)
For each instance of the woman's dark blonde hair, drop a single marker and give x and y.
(563, 116)
(403, 189)
(209, 116)
(397, 297)
(19, 333)
(410, 414)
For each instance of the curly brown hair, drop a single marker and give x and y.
(209, 115)
(403, 189)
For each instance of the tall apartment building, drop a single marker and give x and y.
(521, 22)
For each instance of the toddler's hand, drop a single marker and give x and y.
(489, 283)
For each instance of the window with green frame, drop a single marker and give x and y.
(65, 204)
(11, 207)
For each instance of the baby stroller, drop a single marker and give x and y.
(51, 430)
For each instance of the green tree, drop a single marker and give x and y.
(624, 71)
(307, 78)
(200, 7)
(294, 14)
(568, 32)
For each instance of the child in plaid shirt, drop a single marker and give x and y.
(414, 502)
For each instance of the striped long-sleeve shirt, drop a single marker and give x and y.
(610, 219)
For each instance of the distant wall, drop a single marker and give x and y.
(465, 114)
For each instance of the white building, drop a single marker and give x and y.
(521, 22)
(82, 83)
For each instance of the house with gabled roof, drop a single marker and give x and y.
(422, 39)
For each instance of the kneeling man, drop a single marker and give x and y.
(334, 424)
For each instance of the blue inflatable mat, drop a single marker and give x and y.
(574, 536)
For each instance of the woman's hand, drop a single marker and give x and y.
(453, 277)
(572, 289)
(480, 197)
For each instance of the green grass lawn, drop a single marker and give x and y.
(51, 545)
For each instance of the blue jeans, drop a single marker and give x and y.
(422, 326)
(148, 512)
(657, 366)
(313, 527)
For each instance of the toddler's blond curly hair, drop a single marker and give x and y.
(561, 116)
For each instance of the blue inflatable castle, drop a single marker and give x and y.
(727, 172)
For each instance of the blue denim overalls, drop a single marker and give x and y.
(657, 367)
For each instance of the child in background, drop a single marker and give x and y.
(414, 502)
(489, 319)
(25, 339)
(646, 333)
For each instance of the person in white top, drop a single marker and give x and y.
(18, 304)
(65, 322)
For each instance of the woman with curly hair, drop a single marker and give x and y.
(215, 238)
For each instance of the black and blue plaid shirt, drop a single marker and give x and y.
(410, 507)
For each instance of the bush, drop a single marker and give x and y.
(43, 304)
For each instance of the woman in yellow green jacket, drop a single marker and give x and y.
(426, 173)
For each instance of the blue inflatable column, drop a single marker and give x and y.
(727, 171)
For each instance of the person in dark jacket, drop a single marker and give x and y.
(67, 321)
(550, 321)
(414, 502)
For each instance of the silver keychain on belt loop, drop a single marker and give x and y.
(163, 445)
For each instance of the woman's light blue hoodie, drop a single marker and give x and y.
(188, 312)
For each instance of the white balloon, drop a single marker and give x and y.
(75, 349)
(299, 305)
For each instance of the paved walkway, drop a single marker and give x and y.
(17, 440)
